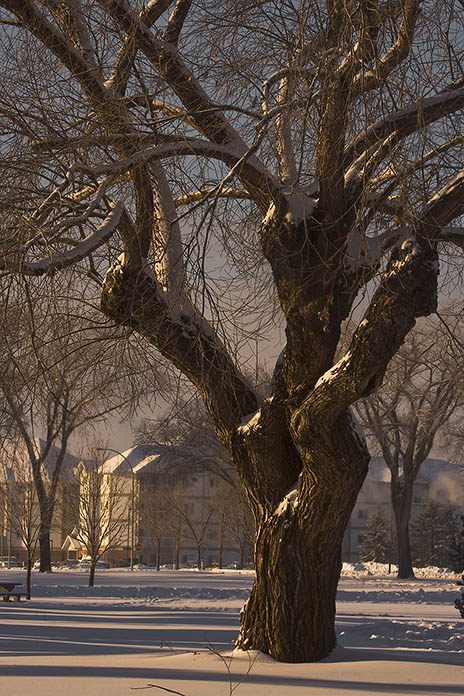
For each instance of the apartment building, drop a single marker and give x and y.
(16, 486)
(167, 515)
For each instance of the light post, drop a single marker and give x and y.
(109, 449)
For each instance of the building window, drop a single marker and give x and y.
(360, 538)
(363, 514)
(417, 499)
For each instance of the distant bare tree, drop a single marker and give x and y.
(193, 516)
(100, 510)
(240, 524)
(22, 508)
(59, 375)
(186, 435)
(156, 513)
(236, 524)
(422, 391)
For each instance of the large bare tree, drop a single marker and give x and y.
(209, 157)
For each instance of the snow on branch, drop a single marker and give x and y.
(176, 21)
(407, 290)
(204, 194)
(82, 34)
(408, 120)
(278, 76)
(123, 64)
(176, 113)
(389, 173)
(237, 158)
(211, 122)
(165, 59)
(445, 206)
(365, 164)
(365, 252)
(16, 262)
(37, 23)
(440, 210)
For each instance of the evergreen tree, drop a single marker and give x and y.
(457, 548)
(377, 544)
(432, 535)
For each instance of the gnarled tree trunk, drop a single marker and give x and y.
(291, 611)
(299, 456)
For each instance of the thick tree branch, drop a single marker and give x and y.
(132, 297)
(208, 193)
(124, 62)
(208, 120)
(411, 273)
(445, 206)
(367, 80)
(15, 261)
(176, 21)
(101, 98)
(408, 120)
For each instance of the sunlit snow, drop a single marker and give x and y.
(166, 629)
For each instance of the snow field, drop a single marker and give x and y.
(175, 630)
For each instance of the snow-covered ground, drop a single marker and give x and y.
(173, 632)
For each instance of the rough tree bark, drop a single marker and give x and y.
(325, 163)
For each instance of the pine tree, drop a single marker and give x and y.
(432, 535)
(377, 544)
(457, 548)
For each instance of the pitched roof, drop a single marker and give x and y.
(138, 459)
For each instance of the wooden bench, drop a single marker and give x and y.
(8, 592)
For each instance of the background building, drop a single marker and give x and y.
(437, 481)
(13, 476)
(169, 515)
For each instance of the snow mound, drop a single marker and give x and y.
(150, 594)
(358, 570)
(406, 634)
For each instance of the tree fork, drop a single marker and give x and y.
(291, 611)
